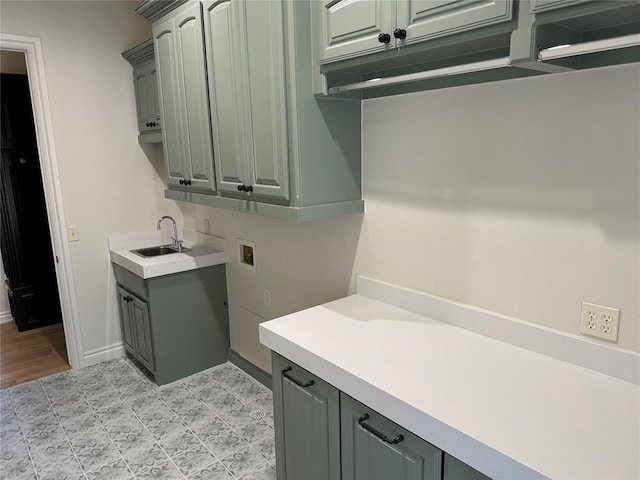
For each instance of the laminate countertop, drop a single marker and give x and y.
(206, 251)
(509, 412)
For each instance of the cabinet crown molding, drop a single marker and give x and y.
(139, 53)
(152, 10)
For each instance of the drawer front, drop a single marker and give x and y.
(135, 284)
(375, 448)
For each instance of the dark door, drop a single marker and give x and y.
(25, 241)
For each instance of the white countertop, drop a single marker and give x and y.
(505, 410)
(206, 251)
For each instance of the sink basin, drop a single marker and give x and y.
(157, 251)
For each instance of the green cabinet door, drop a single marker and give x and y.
(350, 28)
(220, 20)
(263, 92)
(306, 424)
(140, 319)
(192, 85)
(153, 95)
(374, 448)
(128, 335)
(145, 102)
(169, 99)
(428, 19)
(454, 469)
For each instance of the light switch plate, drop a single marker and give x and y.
(72, 234)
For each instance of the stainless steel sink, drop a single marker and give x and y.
(157, 251)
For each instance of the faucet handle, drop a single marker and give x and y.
(177, 244)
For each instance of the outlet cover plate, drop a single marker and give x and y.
(600, 321)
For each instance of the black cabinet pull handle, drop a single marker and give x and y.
(147, 124)
(384, 38)
(378, 434)
(187, 182)
(249, 189)
(400, 33)
(182, 181)
(240, 188)
(285, 374)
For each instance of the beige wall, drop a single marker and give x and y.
(521, 197)
(109, 183)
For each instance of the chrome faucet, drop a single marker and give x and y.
(176, 243)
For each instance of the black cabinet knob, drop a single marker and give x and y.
(384, 38)
(400, 33)
(249, 189)
(148, 124)
(153, 124)
(240, 188)
(187, 182)
(182, 181)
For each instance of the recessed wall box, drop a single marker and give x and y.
(247, 254)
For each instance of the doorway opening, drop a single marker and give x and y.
(32, 341)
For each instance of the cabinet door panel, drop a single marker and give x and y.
(454, 469)
(367, 457)
(141, 84)
(307, 424)
(195, 104)
(351, 27)
(140, 320)
(128, 338)
(427, 19)
(154, 104)
(264, 27)
(219, 25)
(169, 97)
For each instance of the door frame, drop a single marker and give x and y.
(32, 49)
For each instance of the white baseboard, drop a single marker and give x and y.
(105, 353)
(5, 317)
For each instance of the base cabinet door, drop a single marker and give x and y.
(307, 424)
(454, 469)
(136, 327)
(127, 325)
(374, 448)
(142, 328)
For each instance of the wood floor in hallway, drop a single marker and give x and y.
(32, 354)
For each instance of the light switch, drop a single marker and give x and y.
(72, 234)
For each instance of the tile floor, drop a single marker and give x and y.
(108, 421)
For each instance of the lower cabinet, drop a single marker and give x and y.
(375, 448)
(322, 433)
(175, 325)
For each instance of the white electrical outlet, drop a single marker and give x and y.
(600, 321)
(267, 297)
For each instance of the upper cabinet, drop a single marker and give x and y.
(247, 87)
(184, 101)
(370, 48)
(242, 128)
(351, 28)
(141, 58)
